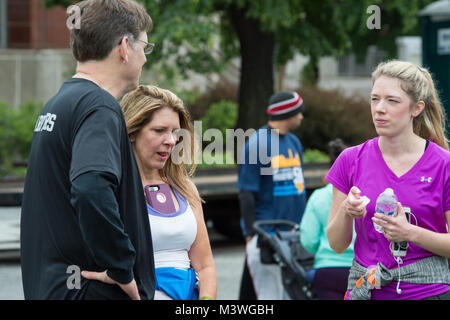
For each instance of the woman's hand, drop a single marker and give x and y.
(353, 205)
(396, 227)
(344, 209)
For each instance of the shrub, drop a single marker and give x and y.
(221, 115)
(224, 90)
(16, 133)
(6, 120)
(329, 114)
(23, 126)
(315, 156)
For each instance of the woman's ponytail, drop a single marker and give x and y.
(431, 123)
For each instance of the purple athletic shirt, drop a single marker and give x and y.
(425, 188)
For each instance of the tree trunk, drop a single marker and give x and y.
(280, 77)
(256, 82)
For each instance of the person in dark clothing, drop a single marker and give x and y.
(84, 227)
(271, 187)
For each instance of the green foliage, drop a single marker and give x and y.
(184, 38)
(314, 28)
(16, 133)
(24, 121)
(309, 75)
(223, 90)
(217, 160)
(64, 3)
(187, 96)
(187, 32)
(6, 116)
(315, 156)
(201, 36)
(221, 115)
(398, 18)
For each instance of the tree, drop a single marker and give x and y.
(398, 18)
(266, 34)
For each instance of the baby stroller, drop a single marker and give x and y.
(283, 247)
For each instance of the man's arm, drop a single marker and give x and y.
(247, 206)
(94, 200)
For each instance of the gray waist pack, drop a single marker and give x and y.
(361, 281)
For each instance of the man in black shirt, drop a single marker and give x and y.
(84, 227)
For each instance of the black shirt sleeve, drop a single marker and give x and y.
(247, 206)
(95, 172)
(94, 200)
(96, 145)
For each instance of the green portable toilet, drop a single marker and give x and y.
(435, 30)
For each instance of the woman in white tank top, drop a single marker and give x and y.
(184, 264)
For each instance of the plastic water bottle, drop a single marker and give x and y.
(386, 204)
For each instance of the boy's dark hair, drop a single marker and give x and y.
(335, 147)
(103, 23)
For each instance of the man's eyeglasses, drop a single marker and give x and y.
(148, 45)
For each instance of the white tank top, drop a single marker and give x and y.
(173, 234)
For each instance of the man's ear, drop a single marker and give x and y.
(418, 108)
(123, 49)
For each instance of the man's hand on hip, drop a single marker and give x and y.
(130, 289)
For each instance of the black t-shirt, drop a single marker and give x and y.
(83, 206)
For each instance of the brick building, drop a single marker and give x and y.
(35, 55)
(28, 24)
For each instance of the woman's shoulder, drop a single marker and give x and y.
(439, 152)
(194, 198)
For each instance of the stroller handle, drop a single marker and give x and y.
(257, 225)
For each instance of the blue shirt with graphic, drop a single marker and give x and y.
(271, 167)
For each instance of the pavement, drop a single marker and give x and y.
(9, 233)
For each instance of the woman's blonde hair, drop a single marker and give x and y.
(138, 108)
(418, 84)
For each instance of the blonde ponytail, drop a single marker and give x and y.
(431, 122)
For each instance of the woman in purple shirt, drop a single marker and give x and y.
(411, 156)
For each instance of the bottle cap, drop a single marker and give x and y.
(365, 200)
(389, 192)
